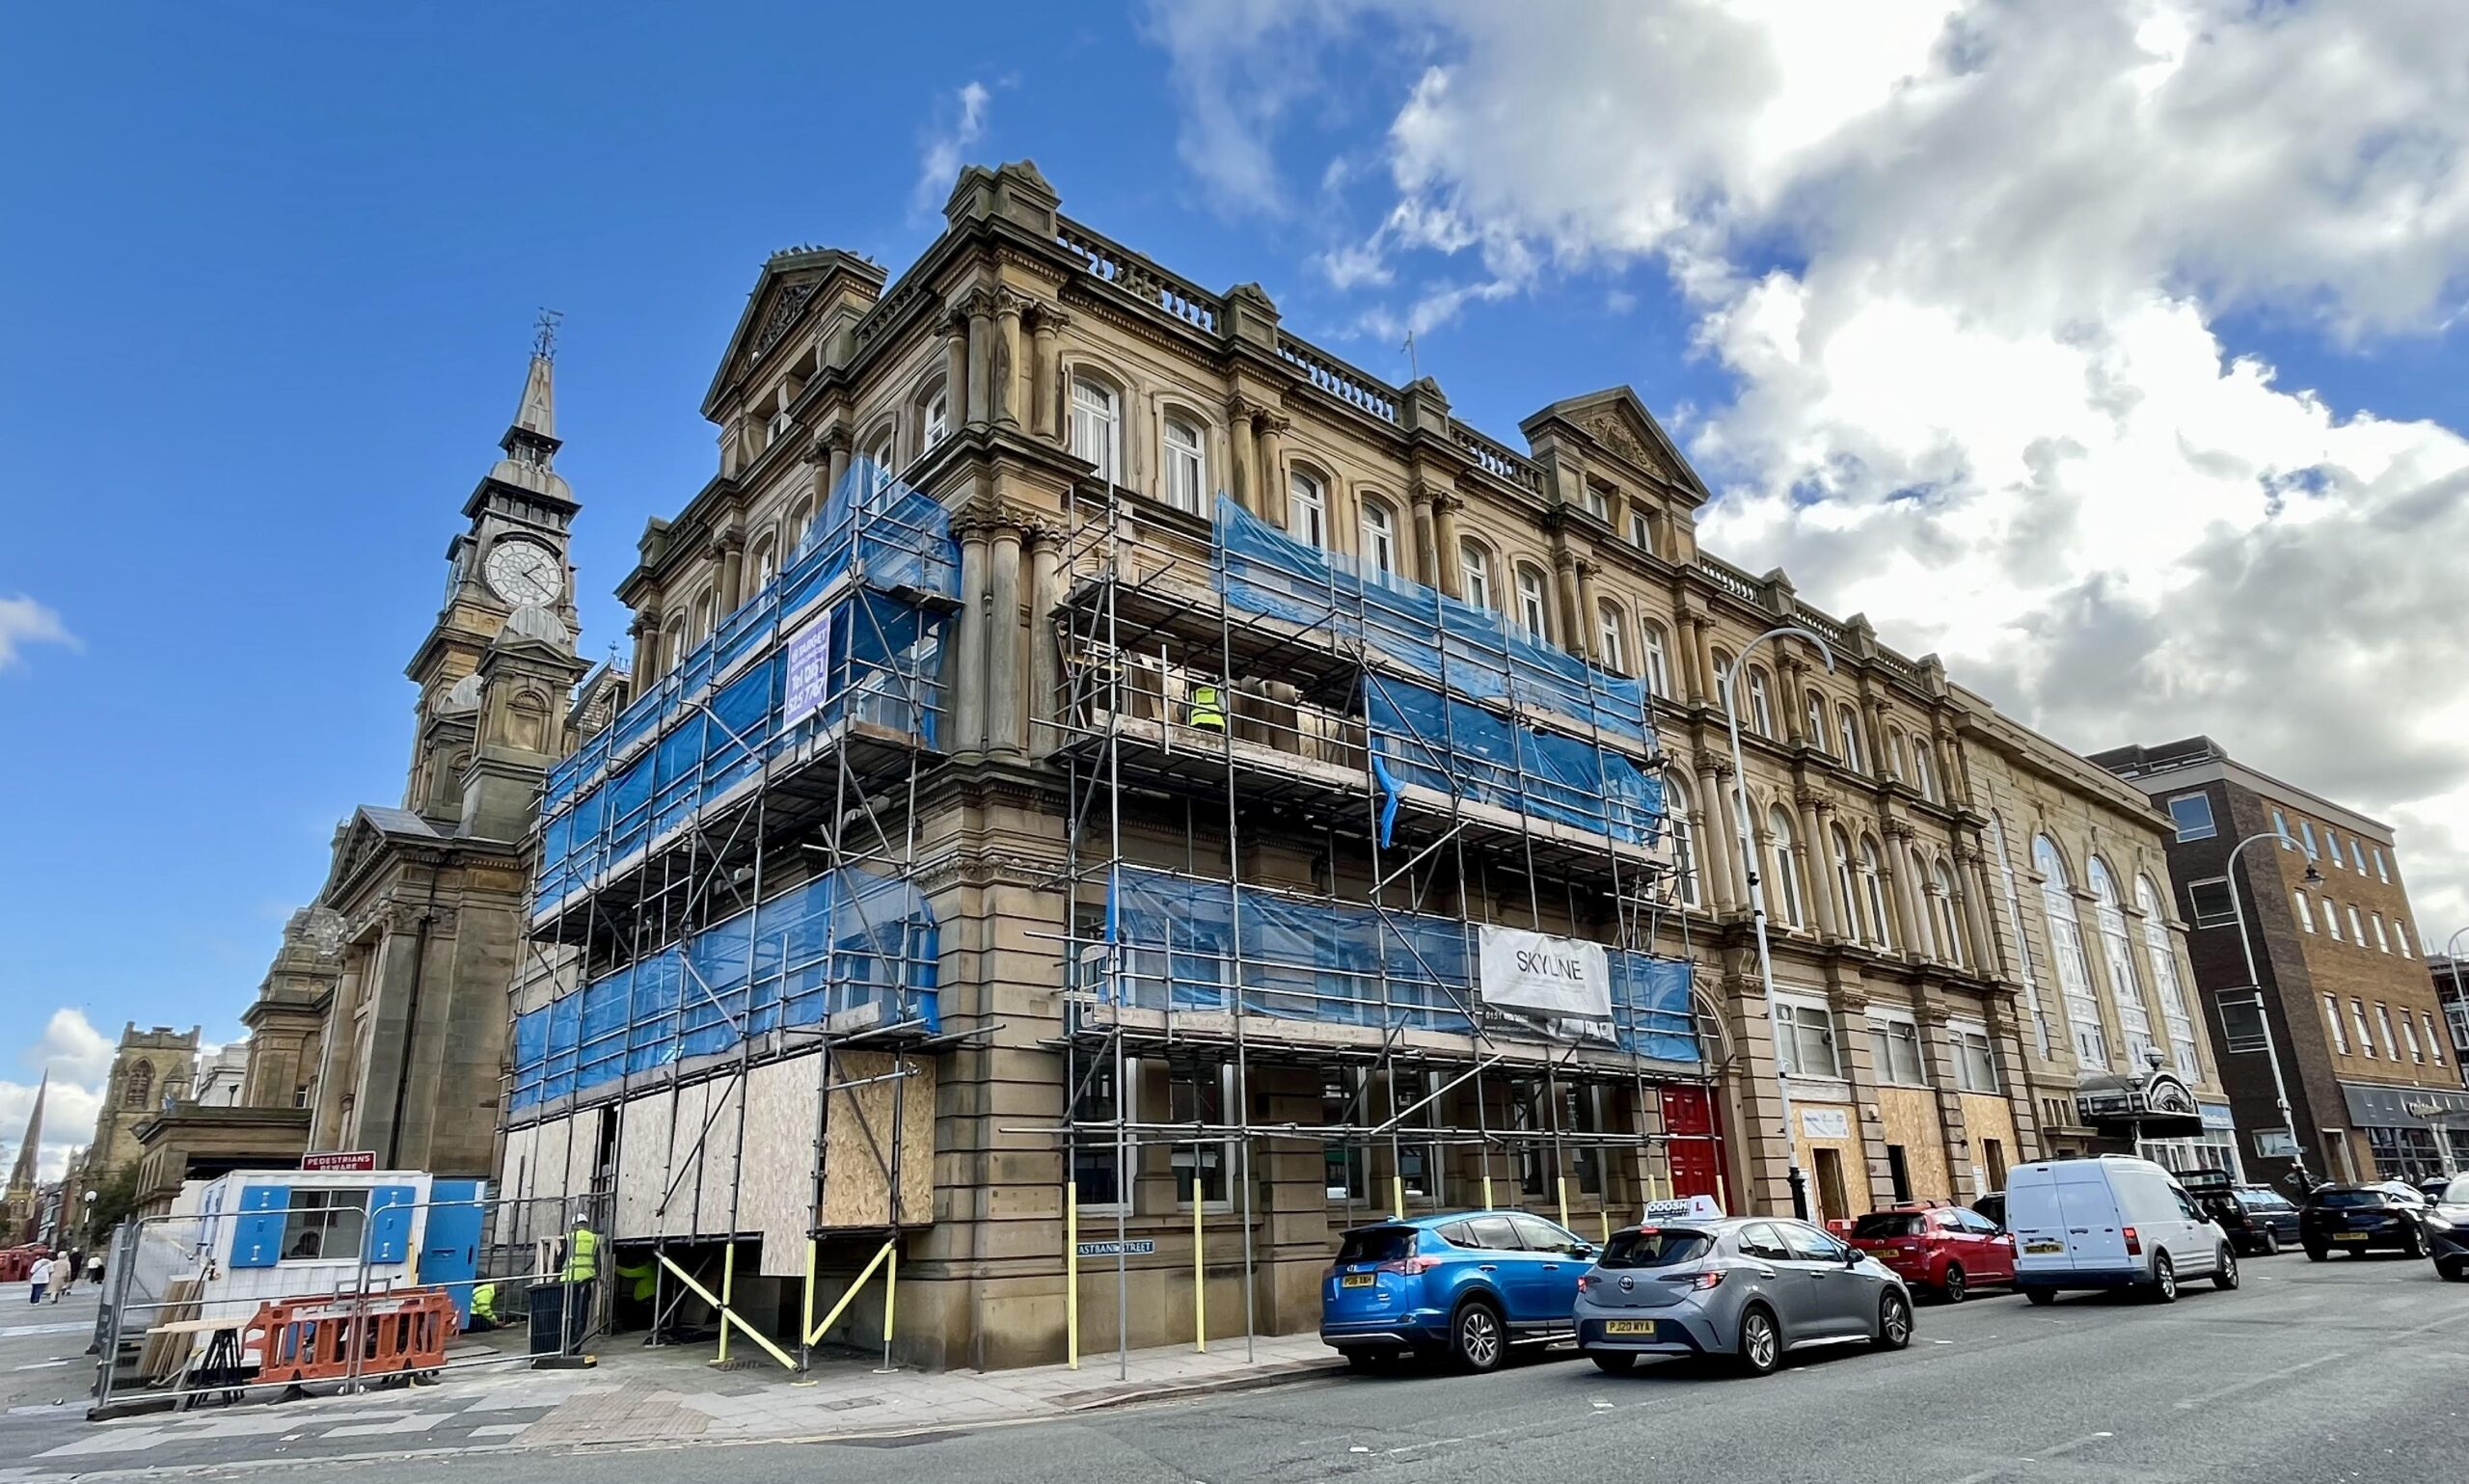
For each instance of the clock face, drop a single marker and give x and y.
(524, 572)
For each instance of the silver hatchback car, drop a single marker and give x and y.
(1749, 1288)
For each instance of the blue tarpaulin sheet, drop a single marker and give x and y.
(1457, 746)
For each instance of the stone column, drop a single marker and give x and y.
(1793, 678)
(1898, 867)
(1873, 718)
(1564, 583)
(980, 356)
(1242, 449)
(1272, 470)
(1977, 953)
(1426, 567)
(969, 657)
(1444, 523)
(834, 472)
(1045, 387)
(957, 407)
(1819, 855)
(1003, 367)
(732, 545)
(1045, 661)
(1717, 844)
(1702, 660)
(1003, 713)
(1590, 614)
(646, 632)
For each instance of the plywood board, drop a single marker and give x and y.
(581, 1152)
(683, 1168)
(715, 1211)
(859, 1139)
(777, 1201)
(642, 1153)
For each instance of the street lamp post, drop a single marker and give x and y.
(2452, 952)
(1757, 893)
(2271, 1049)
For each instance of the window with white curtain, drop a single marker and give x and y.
(1474, 572)
(2382, 867)
(1657, 656)
(2434, 1042)
(2357, 855)
(1380, 536)
(2066, 947)
(1186, 466)
(2175, 1012)
(1614, 636)
(1847, 726)
(1307, 509)
(2126, 985)
(1097, 427)
(1783, 893)
(1533, 614)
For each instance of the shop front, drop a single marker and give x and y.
(2214, 1147)
(2407, 1133)
(2130, 1114)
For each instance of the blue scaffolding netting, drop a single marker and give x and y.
(839, 634)
(1457, 728)
(844, 940)
(1186, 944)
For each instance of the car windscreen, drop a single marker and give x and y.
(2351, 1199)
(1379, 1244)
(2457, 1192)
(1879, 1226)
(1663, 1247)
(2259, 1198)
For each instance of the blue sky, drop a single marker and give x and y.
(275, 267)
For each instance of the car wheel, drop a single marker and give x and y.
(2454, 1272)
(2417, 1245)
(2224, 1273)
(1476, 1342)
(2164, 1280)
(2319, 1254)
(1895, 1321)
(1951, 1286)
(1761, 1343)
(2271, 1243)
(1611, 1361)
(2040, 1298)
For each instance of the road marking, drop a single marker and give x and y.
(40, 1365)
(21, 1331)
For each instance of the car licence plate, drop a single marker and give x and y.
(2349, 1236)
(1355, 1281)
(1628, 1326)
(2042, 1249)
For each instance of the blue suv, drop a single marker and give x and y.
(1468, 1286)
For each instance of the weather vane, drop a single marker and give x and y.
(544, 334)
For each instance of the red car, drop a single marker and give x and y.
(1947, 1250)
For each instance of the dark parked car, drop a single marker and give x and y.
(2258, 1218)
(2447, 1229)
(2360, 1219)
(1992, 1206)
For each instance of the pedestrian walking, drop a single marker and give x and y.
(95, 1269)
(64, 1283)
(40, 1276)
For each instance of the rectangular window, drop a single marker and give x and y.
(2383, 1020)
(1582, 1112)
(2357, 855)
(2193, 814)
(2306, 838)
(2209, 904)
(1346, 1177)
(2365, 1031)
(2401, 938)
(2332, 920)
(1199, 1099)
(2357, 925)
(2280, 826)
(2455, 1015)
(2434, 1043)
(1805, 1037)
(1613, 637)
(1898, 1174)
(1097, 1165)
(2409, 1038)
(2332, 846)
(1975, 1058)
(324, 1224)
(1598, 503)
(1894, 1048)
(2332, 1018)
(2382, 868)
(1639, 535)
(2381, 942)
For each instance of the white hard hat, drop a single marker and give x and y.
(580, 1219)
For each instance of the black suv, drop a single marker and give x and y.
(2360, 1219)
(2257, 1220)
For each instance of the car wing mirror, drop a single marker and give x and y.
(1851, 1257)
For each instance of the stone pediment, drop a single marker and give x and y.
(783, 293)
(373, 828)
(1615, 422)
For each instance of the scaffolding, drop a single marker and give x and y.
(725, 891)
(1238, 701)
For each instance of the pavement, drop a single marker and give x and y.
(2346, 1369)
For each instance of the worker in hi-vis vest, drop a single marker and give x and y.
(1205, 707)
(582, 1275)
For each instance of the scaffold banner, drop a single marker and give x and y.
(1564, 978)
(807, 681)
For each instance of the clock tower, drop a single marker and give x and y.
(512, 556)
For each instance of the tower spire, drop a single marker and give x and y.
(534, 437)
(22, 1176)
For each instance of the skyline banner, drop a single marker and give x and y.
(1537, 974)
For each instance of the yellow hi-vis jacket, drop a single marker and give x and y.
(1207, 708)
(582, 1255)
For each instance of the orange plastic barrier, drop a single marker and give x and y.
(315, 1339)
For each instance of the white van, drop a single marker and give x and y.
(2115, 1222)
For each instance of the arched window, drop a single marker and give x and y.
(1947, 906)
(1658, 658)
(801, 526)
(767, 560)
(1678, 809)
(706, 615)
(1847, 726)
(1474, 572)
(882, 455)
(1533, 614)
(1813, 720)
(141, 1085)
(1895, 755)
(1612, 633)
(935, 425)
(1872, 892)
(676, 630)
(1761, 703)
(1923, 776)
(1097, 427)
(2066, 946)
(1379, 536)
(1306, 508)
(1847, 888)
(1186, 466)
(1785, 894)
(2174, 1011)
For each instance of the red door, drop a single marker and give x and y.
(1694, 1143)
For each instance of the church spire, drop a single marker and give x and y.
(532, 439)
(21, 1177)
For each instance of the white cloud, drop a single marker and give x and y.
(945, 151)
(26, 622)
(1967, 265)
(79, 1059)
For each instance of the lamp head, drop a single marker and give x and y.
(2313, 877)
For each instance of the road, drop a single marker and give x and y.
(2351, 1369)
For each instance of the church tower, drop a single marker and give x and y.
(511, 555)
(18, 1203)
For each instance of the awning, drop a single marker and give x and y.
(2389, 1107)
(2153, 1106)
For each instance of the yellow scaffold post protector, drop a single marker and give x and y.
(815, 1332)
(1071, 1276)
(1200, 1274)
(1564, 1203)
(1397, 1197)
(1488, 1203)
(728, 1296)
(727, 1317)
